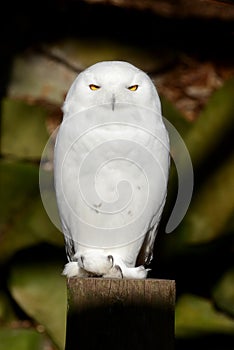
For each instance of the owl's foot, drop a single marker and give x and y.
(132, 272)
(127, 272)
(136, 272)
(72, 269)
(94, 263)
(114, 272)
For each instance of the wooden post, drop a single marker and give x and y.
(120, 314)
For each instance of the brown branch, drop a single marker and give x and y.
(206, 9)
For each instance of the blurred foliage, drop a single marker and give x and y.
(196, 316)
(198, 255)
(24, 221)
(223, 292)
(29, 130)
(212, 126)
(21, 339)
(41, 292)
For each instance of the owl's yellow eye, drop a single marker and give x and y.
(133, 87)
(94, 87)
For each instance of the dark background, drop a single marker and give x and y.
(192, 66)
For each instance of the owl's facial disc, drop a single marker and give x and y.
(114, 83)
(95, 87)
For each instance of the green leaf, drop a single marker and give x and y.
(21, 339)
(196, 316)
(175, 117)
(214, 122)
(19, 184)
(209, 213)
(7, 313)
(223, 292)
(24, 221)
(23, 132)
(40, 290)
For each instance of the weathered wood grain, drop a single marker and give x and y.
(120, 314)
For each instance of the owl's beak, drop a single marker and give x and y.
(113, 102)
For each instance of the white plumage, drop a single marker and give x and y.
(111, 171)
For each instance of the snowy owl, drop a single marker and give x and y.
(111, 169)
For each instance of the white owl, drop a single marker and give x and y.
(111, 171)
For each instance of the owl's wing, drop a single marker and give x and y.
(69, 242)
(145, 254)
(70, 248)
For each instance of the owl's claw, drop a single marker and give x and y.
(114, 272)
(72, 269)
(81, 261)
(111, 259)
(97, 263)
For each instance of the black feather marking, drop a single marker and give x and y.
(70, 248)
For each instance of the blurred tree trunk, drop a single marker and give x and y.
(207, 9)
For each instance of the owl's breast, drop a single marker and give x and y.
(116, 138)
(112, 171)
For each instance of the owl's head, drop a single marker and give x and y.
(113, 83)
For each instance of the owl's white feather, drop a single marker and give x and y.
(111, 171)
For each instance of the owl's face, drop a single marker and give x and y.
(111, 83)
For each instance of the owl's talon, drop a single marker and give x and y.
(114, 272)
(82, 261)
(95, 262)
(72, 269)
(118, 268)
(111, 259)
